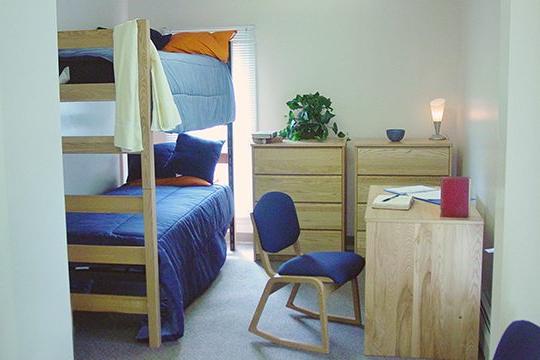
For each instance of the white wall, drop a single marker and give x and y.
(90, 174)
(516, 294)
(479, 130)
(34, 290)
(380, 61)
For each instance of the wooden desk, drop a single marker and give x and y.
(423, 276)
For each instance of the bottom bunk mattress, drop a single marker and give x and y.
(191, 226)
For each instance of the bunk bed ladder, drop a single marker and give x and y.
(146, 255)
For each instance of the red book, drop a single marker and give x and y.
(455, 196)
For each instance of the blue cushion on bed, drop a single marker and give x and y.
(162, 154)
(159, 39)
(194, 156)
(338, 266)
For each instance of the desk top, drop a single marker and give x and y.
(420, 212)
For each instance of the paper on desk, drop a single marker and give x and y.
(409, 190)
(427, 195)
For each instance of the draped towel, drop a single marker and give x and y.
(165, 115)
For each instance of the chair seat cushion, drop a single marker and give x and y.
(338, 266)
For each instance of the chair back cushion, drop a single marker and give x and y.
(521, 340)
(276, 221)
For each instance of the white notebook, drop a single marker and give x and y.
(402, 202)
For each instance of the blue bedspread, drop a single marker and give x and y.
(191, 225)
(201, 85)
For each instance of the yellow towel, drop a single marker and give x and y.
(165, 114)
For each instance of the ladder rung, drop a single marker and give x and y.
(109, 303)
(102, 38)
(90, 145)
(102, 254)
(87, 92)
(112, 204)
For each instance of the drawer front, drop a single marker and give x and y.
(360, 213)
(403, 161)
(360, 243)
(292, 161)
(319, 216)
(364, 182)
(316, 240)
(325, 189)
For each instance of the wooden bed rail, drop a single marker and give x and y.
(109, 204)
(87, 92)
(89, 145)
(109, 303)
(100, 254)
(78, 39)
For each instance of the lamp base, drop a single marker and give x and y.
(437, 137)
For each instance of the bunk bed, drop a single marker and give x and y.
(159, 237)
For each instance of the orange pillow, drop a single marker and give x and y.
(214, 44)
(175, 181)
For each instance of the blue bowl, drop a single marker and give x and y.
(395, 134)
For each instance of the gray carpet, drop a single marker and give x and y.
(216, 324)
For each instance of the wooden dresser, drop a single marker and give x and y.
(410, 162)
(423, 275)
(313, 174)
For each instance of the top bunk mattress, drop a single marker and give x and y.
(201, 85)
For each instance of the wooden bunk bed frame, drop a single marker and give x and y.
(146, 255)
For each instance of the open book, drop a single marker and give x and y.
(392, 202)
(420, 192)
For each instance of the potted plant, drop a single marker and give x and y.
(309, 118)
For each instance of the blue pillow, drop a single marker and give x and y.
(158, 39)
(194, 156)
(162, 154)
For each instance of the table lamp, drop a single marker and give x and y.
(437, 112)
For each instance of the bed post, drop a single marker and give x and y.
(230, 164)
(148, 186)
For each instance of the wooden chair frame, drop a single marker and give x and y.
(324, 287)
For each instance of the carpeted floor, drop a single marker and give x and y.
(216, 324)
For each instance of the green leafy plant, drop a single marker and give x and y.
(309, 117)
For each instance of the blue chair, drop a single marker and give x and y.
(276, 227)
(521, 340)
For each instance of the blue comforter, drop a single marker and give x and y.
(191, 226)
(201, 86)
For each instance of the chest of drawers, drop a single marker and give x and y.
(380, 162)
(313, 174)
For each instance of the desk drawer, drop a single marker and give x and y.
(325, 189)
(364, 182)
(292, 161)
(403, 161)
(319, 216)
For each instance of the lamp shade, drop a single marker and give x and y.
(437, 109)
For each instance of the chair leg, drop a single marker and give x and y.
(356, 301)
(357, 320)
(292, 296)
(260, 307)
(268, 290)
(323, 318)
